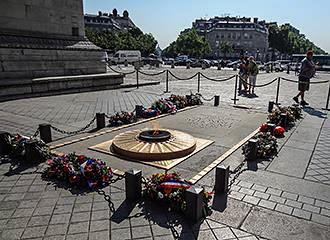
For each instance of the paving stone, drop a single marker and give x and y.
(239, 233)
(292, 203)
(284, 209)
(213, 224)
(301, 213)
(100, 205)
(259, 188)
(245, 184)
(59, 209)
(25, 212)
(205, 234)
(6, 205)
(56, 229)
(99, 235)
(99, 225)
(236, 195)
(249, 238)
(81, 227)
(247, 191)
(251, 200)
(50, 194)
(39, 221)
(120, 234)
(12, 233)
(325, 212)
(277, 199)
(311, 208)
(24, 182)
(58, 237)
(19, 189)
(85, 199)
(33, 232)
(66, 200)
(43, 211)
(14, 196)
(273, 191)
(16, 222)
(37, 188)
(80, 217)
(47, 202)
(80, 236)
(306, 200)
(261, 195)
(28, 204)
(323, 204)
(159, 230)
(165, 237)
(141, 231)
(267, 204)
(84, 207)
(320, 219)
(32, 195)
(60, 219)
(99, 215)
(291, 196)
(235, 188)
(224, 233)
(141, 221)
(122, 224)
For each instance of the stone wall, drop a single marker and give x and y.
(52, 17)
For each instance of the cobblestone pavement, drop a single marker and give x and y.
(319, 167)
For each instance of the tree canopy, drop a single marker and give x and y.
(285, 40)
(226, 47)
(133, 39)
(189, 43)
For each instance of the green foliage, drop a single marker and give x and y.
(225, 47)
(285, 40)
(189, 43)
(133, 39)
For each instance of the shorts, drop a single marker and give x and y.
(252, 80)
(303, 84)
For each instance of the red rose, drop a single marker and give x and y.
(74, 179)
(263, 128)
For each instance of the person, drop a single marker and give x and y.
(307, 71)
(242, 75)
(253, 71)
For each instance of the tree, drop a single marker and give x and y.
(189, 43)
(225, 47)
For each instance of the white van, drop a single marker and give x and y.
(122, 55)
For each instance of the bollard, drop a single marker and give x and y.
(288, 70)
(216, 100)
(195, 204)
(328, 98)
(270, 106)
(188, 65)
(278, 89)
(32, 155)
(253, 146)
(203, 66)
(5, 147)
(221, 179)
(172, 64)
(219, 66)
(235, 91)
(137, 78)
(198, 81)
(100, 120)
(271, 127)
(133, 184)
(138, 110)
(284, 120)
(126, 63)
(45, 132)
(166, 81)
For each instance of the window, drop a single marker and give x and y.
(75, 31)
(217, 36)
(250, 36)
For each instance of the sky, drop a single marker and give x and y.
(167, 18)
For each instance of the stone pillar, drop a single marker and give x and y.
(45, 132)
(100, 120)
(133, 184)
(252, 145)
(195, 204)
(221, 179)
(216, 100)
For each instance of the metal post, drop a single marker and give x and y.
(219, 66)
(45, 132)
(284, 120)
(270, 106)
(327, 104)
(253, 146)
(133, 184)
(31, 153)
(198, 81)
(216, 100)
(221, 179)
(100, 120)
(126, 63)
(195, 204)
(188, 65)
(278, 89)
(172, 64)
(137, 78)
(138, 110)
(235, 90)
(166, 81)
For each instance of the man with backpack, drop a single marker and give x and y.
(253, 71)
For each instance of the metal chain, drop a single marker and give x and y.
(237, 171)
(36, 133)
(207, 99)
(74, 132)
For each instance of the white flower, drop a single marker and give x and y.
(160, 195)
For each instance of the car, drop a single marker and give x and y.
(168, 61)
(199, 63)
(214, 63)
(182, 62)
(234, 64)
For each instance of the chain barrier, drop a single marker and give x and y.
(74, 132)
(36, 133)
(120, 72)
(152, 74)
(237, 171)
(301, 82)
(207, 99)
(182, 78)
(261, 85)
(217, 80)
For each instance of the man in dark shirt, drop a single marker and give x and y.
(307, 71)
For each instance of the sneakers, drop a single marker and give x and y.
(296, 99)
(303, 103)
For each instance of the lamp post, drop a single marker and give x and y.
(257, 57)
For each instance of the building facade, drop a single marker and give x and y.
(247, 37)
(109, 21)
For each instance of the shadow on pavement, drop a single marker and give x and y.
(220, 202)
(314, 112)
